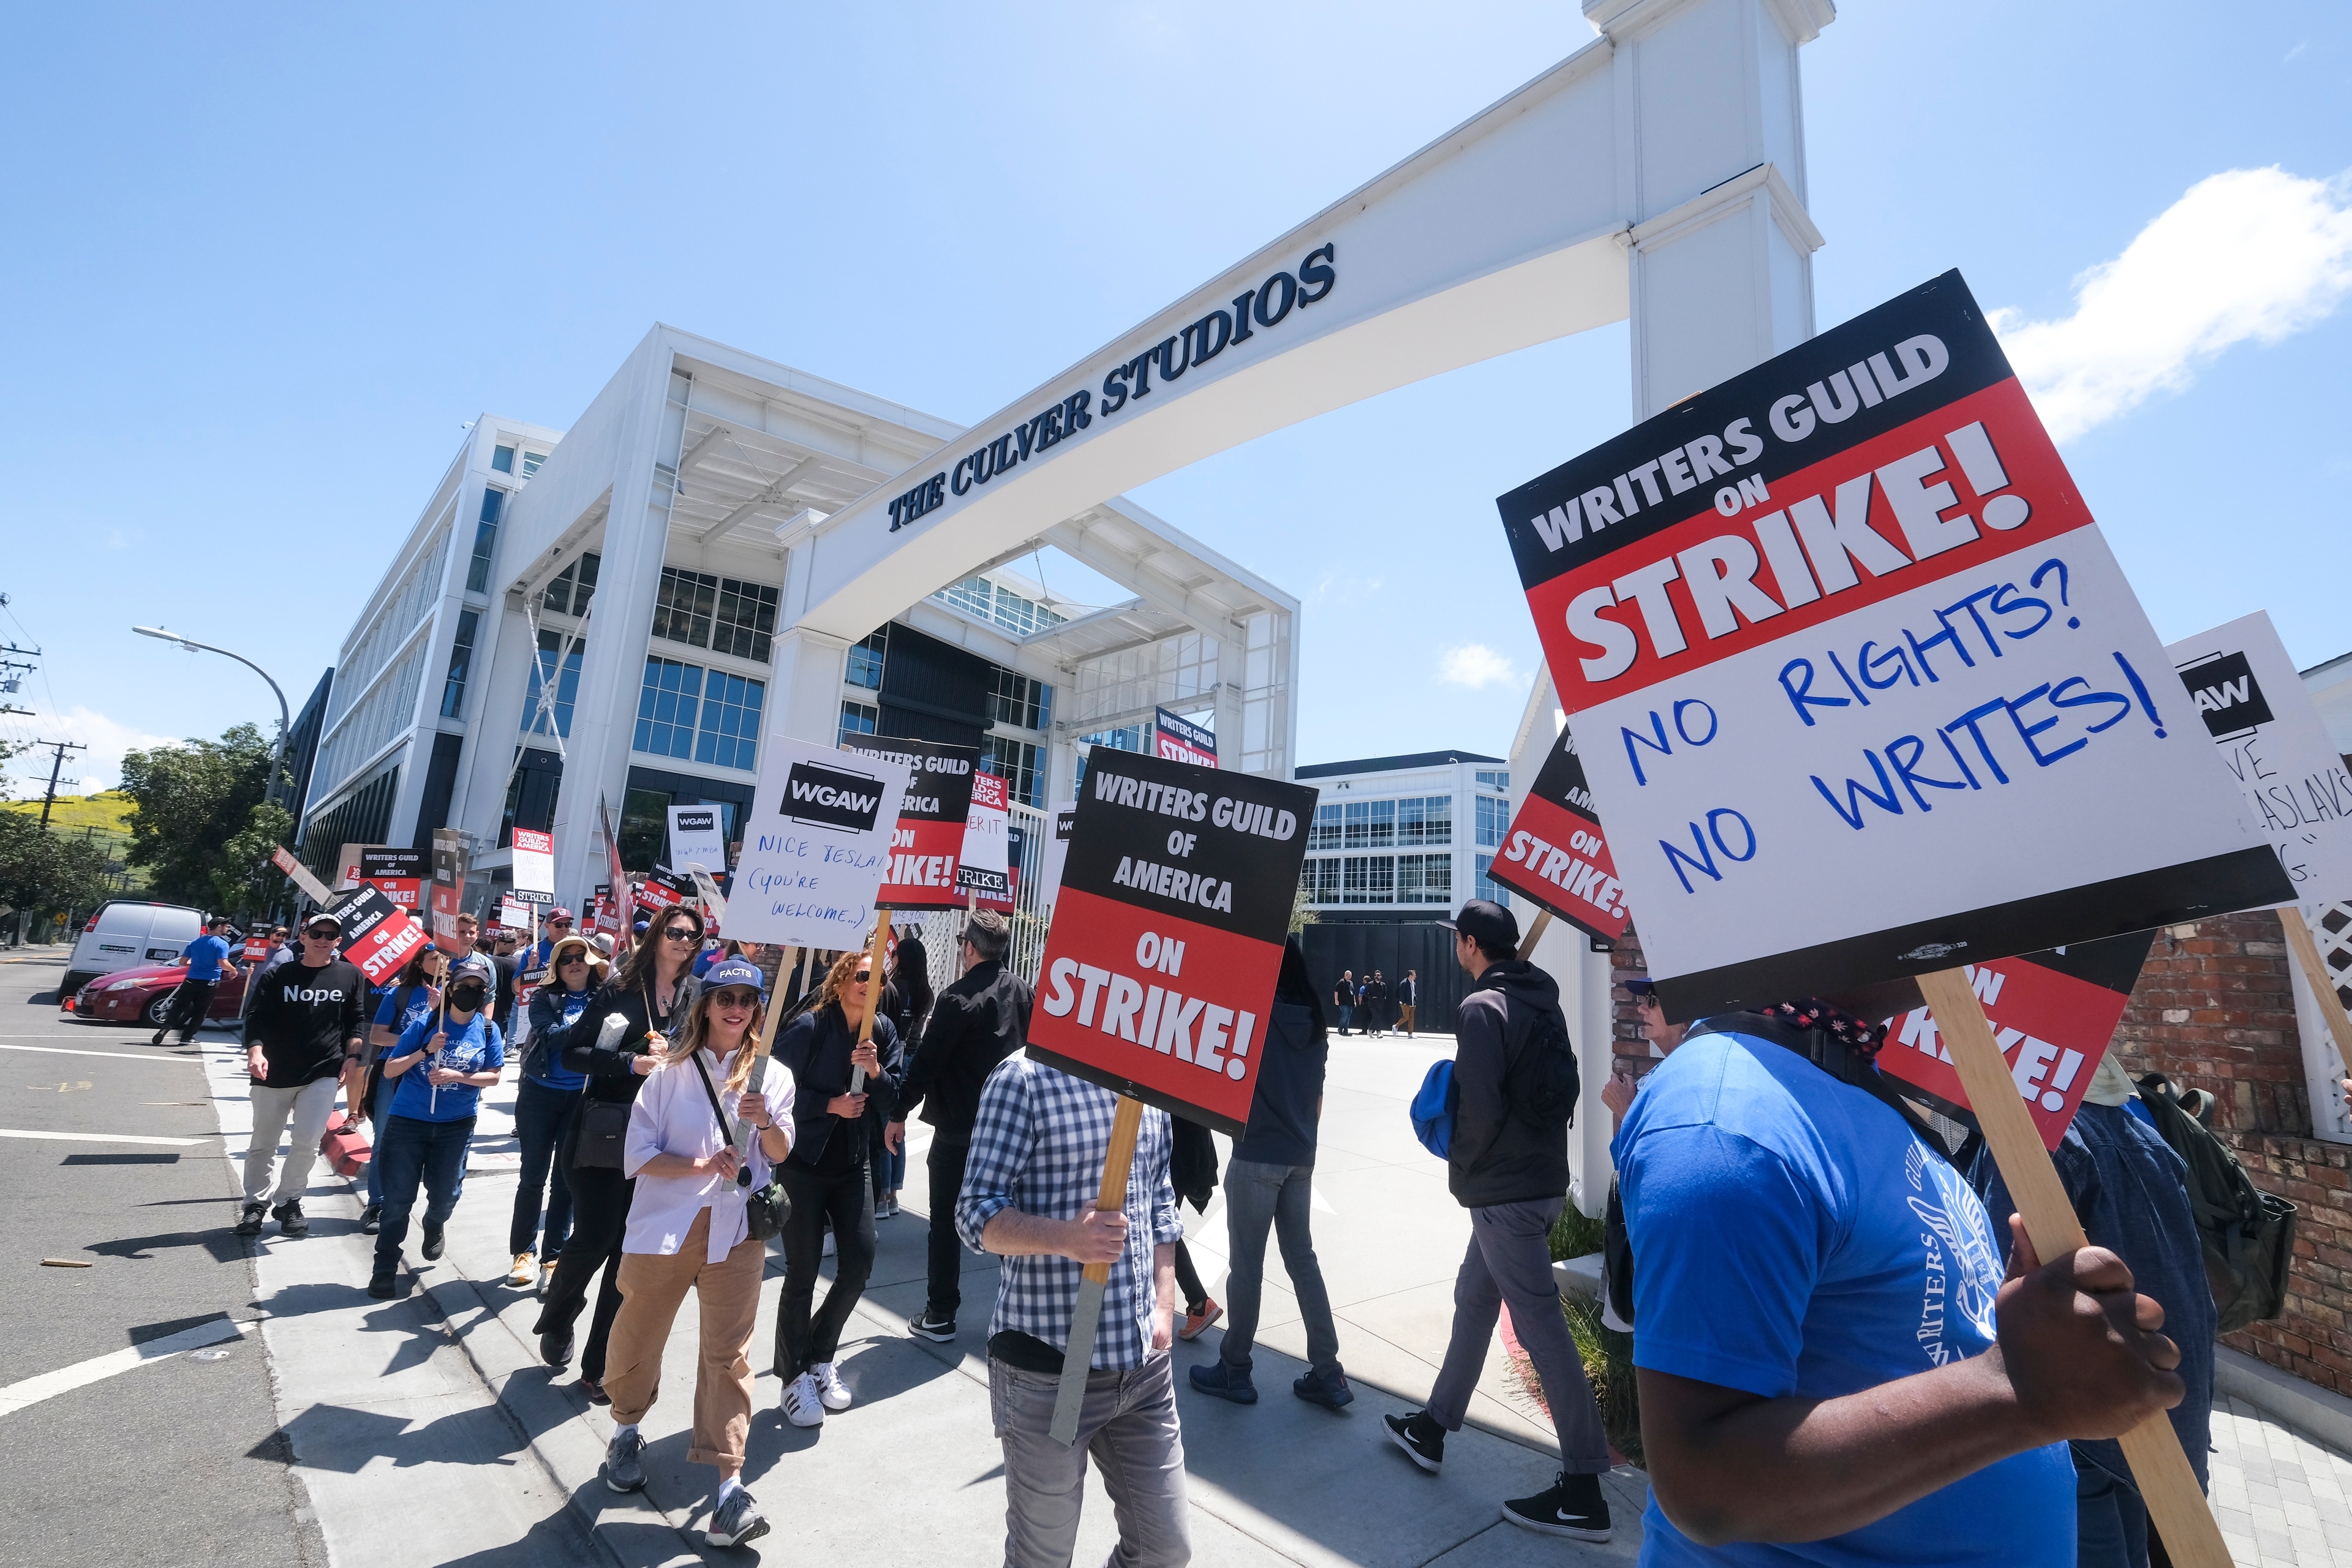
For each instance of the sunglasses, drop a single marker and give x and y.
(324, 933)
(862, 976)
(573, 961)
(734, 998)
(681, 933)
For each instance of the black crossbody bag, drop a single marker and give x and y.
(765, 1209)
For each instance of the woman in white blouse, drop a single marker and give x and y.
(686, 1227)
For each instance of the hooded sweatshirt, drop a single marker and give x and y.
(1497, 1155)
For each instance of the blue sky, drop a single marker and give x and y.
(263, 264)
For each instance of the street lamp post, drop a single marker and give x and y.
(285, 721)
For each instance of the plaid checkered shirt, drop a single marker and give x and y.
(1039, 1145)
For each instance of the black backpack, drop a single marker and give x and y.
(2249, 1233)
(1542, 1081)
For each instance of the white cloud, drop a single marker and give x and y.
(1475, 665)
(2246, 254)
(99, 768)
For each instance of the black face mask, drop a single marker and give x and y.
(467, 998)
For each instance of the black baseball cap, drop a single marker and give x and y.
(1642, 986)
(1487, 923)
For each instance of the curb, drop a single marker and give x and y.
(2323, 1416)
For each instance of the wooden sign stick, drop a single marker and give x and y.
(2331, 1005)
(1535, 935)
(1086, 1316)
(873, 994)
(760, 1046)
(2167, 1484)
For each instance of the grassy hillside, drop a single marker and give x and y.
(108, 811)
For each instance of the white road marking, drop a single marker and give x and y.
(100, 1138)
(124, 1056)
(14, 1396)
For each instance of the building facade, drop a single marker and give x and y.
(1404, 840)
(614, 618)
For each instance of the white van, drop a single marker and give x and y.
(127, 933)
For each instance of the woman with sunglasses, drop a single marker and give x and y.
(406, 1000)
(544, 1103)
(653, 990)
(826, 1179)
(687, 1227)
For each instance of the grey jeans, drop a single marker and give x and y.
(310, 1107)
(1259, 1196)
(1127, 1424)
(1509, 1259)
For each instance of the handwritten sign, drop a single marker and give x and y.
(984, 868)
(817, 846)
(1858, 687)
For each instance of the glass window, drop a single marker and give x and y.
(1022, 703)
(461, 661)
(667, 705)
(683, 606)
(530, 462)
(553, 646)
(866, 662)
(502, 459)
(1014, 762)
(644, 829)
(1325, 834)
(1370, 824)
(857, 718)
(1424, 879)
(999, 605)
(1368, 880)
(1320, 880)
(486, 540)
(729, 736)
(745, 620)
(1425, 819)
(1490, 889)
(1493, 818)
(573, 586)
(1492, 778)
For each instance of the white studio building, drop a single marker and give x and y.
(620, 613)
(1404, 840)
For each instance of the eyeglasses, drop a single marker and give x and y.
(680, 933)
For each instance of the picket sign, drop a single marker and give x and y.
(1535, 935)
(1556, 854)
(299, 875)
(2322, 985)
(2167, 1485)
(873, 994)
(1094, 1279)
(740, 1135)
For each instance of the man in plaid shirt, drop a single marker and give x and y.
(1038, 1147)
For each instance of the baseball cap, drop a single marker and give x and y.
(1487, 923)
(734, 972)
(558, 913)
(318, 918)
(1641, 986)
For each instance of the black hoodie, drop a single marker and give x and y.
(1497, 1155)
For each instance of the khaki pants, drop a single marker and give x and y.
(653, 1287)
(310, 1108)
(1405, 1023)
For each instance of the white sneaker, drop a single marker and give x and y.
(523, 1272)
(829, 1386)
(803, 1403)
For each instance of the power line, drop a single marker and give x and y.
(50, 799)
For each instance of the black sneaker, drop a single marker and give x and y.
(1422, 1438)
(1331, 1392)
(625, 1470)
(383, 1288)
(289, 1215)
(157, 1039)
(555, 1350)
(434, 1241)
(249, 1223)
(1571, 1506)
(370, 1220)
(931, 1326)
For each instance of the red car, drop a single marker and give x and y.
(144, 996)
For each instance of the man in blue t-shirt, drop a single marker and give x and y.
(205, 957)
(1831, 1368)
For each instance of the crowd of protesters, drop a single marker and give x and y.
(1786, 1207)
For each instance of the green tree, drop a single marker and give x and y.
(246, 883)
(196, 810)
(49, 873)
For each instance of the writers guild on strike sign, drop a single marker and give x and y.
(927, 844)
(378, 936)
(1159, 972)
(1555, 853)
(1843, 622)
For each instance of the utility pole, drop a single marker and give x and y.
(60, 748)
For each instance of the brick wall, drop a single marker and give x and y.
(2214, 1010)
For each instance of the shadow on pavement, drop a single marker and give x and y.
(224, 1245)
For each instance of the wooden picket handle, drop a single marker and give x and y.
(1094, 1279)
(2331, 1005)
(1124, 1128)
(873, 995)
(2167, 1485)
(1535, 935)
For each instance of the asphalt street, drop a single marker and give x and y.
(187, 1447)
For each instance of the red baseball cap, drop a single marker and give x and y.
(558, 913)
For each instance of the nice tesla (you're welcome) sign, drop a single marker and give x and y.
(1857, 686)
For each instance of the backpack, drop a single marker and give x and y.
(1433, 1108)
(1542, 1081)
(2249, 1233)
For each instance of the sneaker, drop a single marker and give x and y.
(738, 1520)
(370, 1220)
(1571, 1506)
(894, 1210)
(830, 1245)
(803, 1402)
(546, 1274)
(624, 1470)
(931, 1326)
(594, 1389)
(523, 1272)
(383, 1288)
(1331, 1392)
(1225, 1382)
(555, 1349)
(289, 1215)
(881, 1208)
(434, 1241)
(830, 1389)
(1195, 1322)
(249, 1222)
(1422, 1438)
(157, 1038)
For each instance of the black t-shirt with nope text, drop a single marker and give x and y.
(303, 1019)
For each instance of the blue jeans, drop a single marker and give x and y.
(1259, 1198)
(542, 1111)
(433, 1153)
(383, 1092)
(2110, 1520)
(1347, 1017)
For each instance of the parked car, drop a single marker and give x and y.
(144, 996)
(126, 933)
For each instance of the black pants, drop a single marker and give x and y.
(599, 1218)
(542, 1116)
(190, 1002)
(803, 1340)
(1188, 1280)
(946, 1252)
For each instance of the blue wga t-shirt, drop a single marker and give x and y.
(203, 956)
(420, 1005)
(1793, 1237)
(569, 1005)
(474, 1046)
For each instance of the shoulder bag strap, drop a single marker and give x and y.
(743, 1175)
